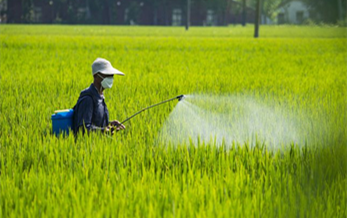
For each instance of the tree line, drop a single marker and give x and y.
(108, 11)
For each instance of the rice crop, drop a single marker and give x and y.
(297, 73)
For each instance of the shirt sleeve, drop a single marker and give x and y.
(85, 115)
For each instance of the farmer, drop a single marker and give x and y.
(90, 112)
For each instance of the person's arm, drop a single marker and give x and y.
(85, 114)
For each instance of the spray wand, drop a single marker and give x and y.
(180, 97)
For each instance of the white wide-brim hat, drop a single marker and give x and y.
(103, 66)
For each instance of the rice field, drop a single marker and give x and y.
(297, 69)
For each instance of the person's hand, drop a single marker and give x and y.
(116, 125)
(109, 130)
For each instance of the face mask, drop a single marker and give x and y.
(107, 82)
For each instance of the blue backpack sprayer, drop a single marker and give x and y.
(62, 120)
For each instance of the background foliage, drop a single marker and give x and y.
(103, 11)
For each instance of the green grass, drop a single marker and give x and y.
(43, 68)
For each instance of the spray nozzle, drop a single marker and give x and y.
(180, 97)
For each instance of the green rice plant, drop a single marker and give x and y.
(297, 71)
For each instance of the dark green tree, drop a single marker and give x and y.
(328, 11)
(270, 8)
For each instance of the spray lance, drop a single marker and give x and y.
(179, 97)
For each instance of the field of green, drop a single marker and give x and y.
(44, 68)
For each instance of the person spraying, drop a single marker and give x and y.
(90, 111)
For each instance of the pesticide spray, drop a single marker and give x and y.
(228, 120)
(231, 119)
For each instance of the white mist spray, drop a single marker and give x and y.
(230, 119)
